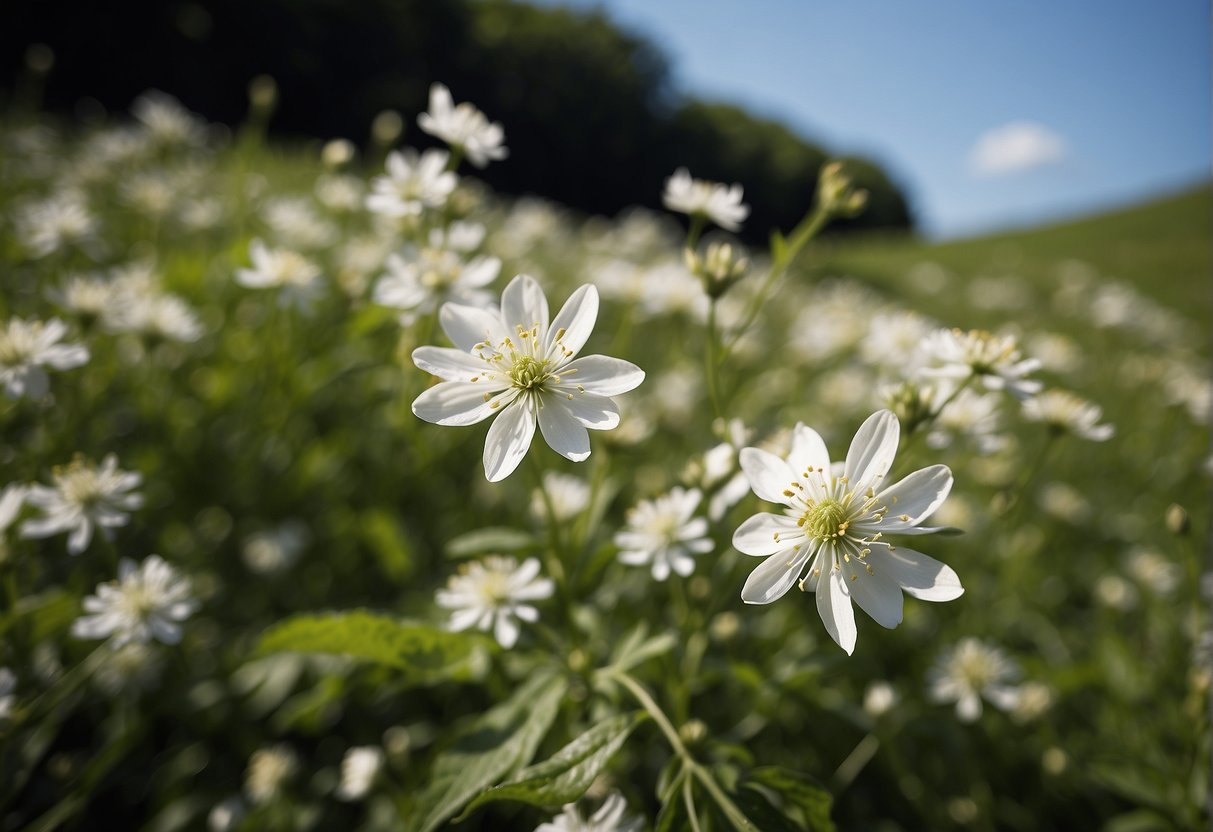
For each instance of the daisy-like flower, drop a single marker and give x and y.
(463, 126)
(148, 601)
(294, 274)
(711, 201)
(84, 496)
(833, 526)
(971, 670)
(358, 771)
(612, 816)
(419, 280)
(493, 594)
(89, 297)
(412, 184)
(515, 365)
(1065, 412)
(569, 496)
(27, 347)
(166, 122)
(665, 533)
(58, 222)
(995, 360)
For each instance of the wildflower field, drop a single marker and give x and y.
(340, 492)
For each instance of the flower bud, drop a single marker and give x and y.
(912, 404)
(387, 127)
(836, 193)
(718, 268)
(693, 732)
(1177, 520)
(263, 94)
(337, 153)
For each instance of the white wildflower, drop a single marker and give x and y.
(612, 816)
(359, 768)
(412, 184)
(992, 359)
(879, 698)
(269, 770)
(665, 533)
(56, 223)
(974, 669)
(166, 122)
(276, 549)
(148, 601)
(83, 497)
(1065, 412)
(463, 127)
(833, 526)
(705, 200)
(494, 594)
(27, 347)
(225, 816)
(569, 496)
(512, 364)
(419, 280)
(294, 274)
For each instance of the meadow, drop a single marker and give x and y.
(264, 568)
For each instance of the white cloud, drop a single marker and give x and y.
(1016, 147)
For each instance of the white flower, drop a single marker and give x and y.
(1065, 412)
(276, 549)
(569, 496)
(665, 532)
(158, 315)
(1153, 571)
(491, 594)
(708, 200)
(147, 602)
(879, 698)
(340, 192)
(358, 770)
(26, 347)
(269, 769)
(84, 496)
(995, 360)
(610, 817)
(166, 121)
(55, 223)
(8, 684)
(973, 415)
(514, 363)
(833, 526)
(294, 274)
(419, 280)
(226, 815)
(413, 183)
(971, 670)
(90, 296)
(296, 224)
(464, 127)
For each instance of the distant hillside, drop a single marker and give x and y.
(1164, 247)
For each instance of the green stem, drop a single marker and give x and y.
(688, 797)
(710, 361)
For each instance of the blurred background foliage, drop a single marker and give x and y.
(591, 114)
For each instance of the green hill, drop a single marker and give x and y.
(1164, 248)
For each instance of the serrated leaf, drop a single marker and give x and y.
(489, 540)
(565, 776)
(498, 743)
(423, 652)
(799, 791)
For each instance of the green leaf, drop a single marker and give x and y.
(423, 652)
(565, 776)
(798, 791)
(635, 649)
(495, 745)
(386, 538)
(489, 540)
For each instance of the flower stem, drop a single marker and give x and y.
(709, 360)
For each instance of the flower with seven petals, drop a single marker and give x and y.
(517, 366)
(833, 526)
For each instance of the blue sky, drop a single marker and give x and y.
(1109, 100)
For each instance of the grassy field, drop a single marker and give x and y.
(317, 520)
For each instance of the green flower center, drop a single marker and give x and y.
(825, 520)
(529, 373)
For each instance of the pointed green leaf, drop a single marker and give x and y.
(423, 652)
(566, 775)
(489, 540)
(494, 746)
(799, 792)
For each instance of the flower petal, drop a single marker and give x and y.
(919, 575)
(523, 305)
(508, 439)
(468, 326)
(451, 365)
(769, 475)
(834, 607)
(561, 430)
(915, 497)
(600, 375)
(573, 324)
(808, 450)
(757, 535)
(506, 630)
(459, 403)
(772, 579)
(595, 412)
(877, 594)
(872, 450)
